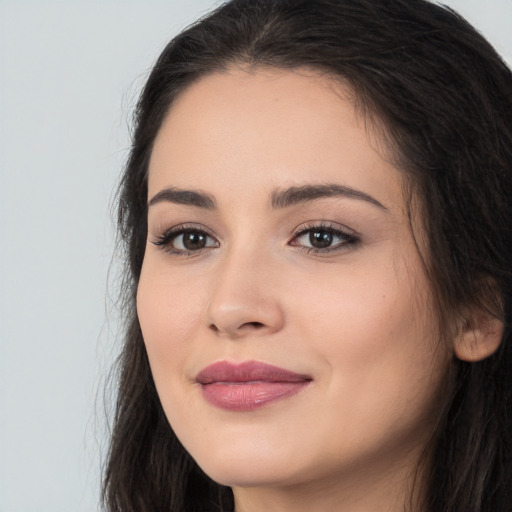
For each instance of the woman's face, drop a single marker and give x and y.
(284, 308)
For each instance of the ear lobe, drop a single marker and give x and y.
(479, 338)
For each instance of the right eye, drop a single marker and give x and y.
(183, 241)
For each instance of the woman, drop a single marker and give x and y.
(316, 213)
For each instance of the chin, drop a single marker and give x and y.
(249, 466)
(247, 474)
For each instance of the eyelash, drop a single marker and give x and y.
(349, 239)
(165, 240)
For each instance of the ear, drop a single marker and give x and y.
(479, 338)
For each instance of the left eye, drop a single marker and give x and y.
(185, 241)
(323, 239)
(192, 241)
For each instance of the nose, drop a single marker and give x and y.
(244, 299)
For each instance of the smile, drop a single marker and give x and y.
(249, 385)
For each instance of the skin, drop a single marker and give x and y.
(358, 319)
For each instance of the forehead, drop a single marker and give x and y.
(271, 127)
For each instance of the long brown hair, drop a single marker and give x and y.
(444, 97)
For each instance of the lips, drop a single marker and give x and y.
(249, 385)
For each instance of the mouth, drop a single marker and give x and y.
(249, 385)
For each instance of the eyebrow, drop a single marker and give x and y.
(186, 197)
(296, 195)
(280, 198)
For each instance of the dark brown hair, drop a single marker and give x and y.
(444, 98)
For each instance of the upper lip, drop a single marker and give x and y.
(247, 371)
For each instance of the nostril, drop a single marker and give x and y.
(246, 325)
(256, 325)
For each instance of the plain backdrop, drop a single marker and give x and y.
(70, 72)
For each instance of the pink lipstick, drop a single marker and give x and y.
(249, 385)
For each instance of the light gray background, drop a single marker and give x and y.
(70, 72)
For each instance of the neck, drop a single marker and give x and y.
(382, 488)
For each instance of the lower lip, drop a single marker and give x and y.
(247, 396)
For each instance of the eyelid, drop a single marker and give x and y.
(322, 224)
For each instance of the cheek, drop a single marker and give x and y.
(169, 313)
(362, 306)
(374, 329)
(377, 340)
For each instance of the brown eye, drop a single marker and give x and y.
(185, 241)
(320, 239)
(324, 239)
(192, 240)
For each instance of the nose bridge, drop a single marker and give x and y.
(243, 299)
